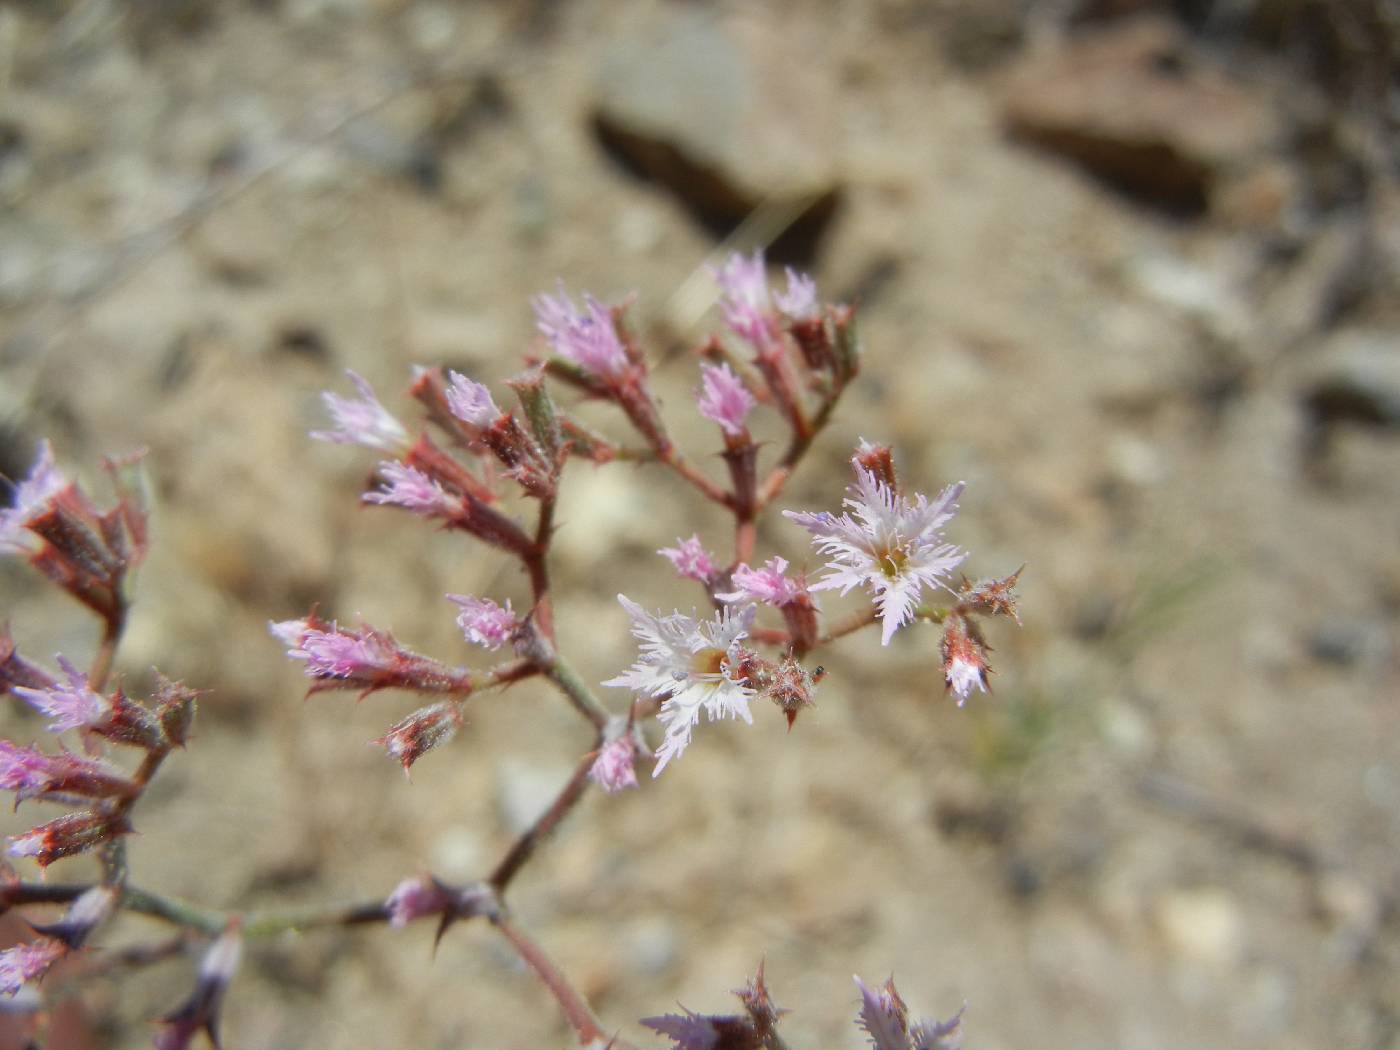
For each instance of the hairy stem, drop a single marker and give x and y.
(562, 674)
(576, 1009)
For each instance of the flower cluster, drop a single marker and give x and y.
(490, 469)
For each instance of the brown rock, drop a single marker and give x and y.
(1129, 104)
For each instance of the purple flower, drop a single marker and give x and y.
(768, 585)
(688, 1031)
(586, 337)
(613, 769)
(692, 561)
(692, 664)
(744, 302)
(70, 706)
(892, 545)
(27, 962)
(417, 898)
(885, 1018)
(484, 622)
(724, 399)
(799, 302)
(362, 420)
(470, 401)
(412, 489)
(31, 499)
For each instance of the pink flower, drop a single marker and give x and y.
(885, 1018)
(692, 561)
(366, 659)
(724, 398)
(745, 297)
(470, 401)
(70, 706)
(613, 769)
(29, 773)
(692, 664)
(362, 420)
(892, 546)
(31, 499)
(688, 1031)
(768, 585)
(586, 337)
(412, 489)
(484, 622)
(28, 962)
(417, 898)
(799, 302)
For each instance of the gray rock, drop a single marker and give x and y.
(722, 116)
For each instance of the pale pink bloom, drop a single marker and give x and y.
(484, 622)
(28, 962)
(412, 489)
(799, 302)
(892, 546)
(30, 499)
(362, 420)
(767, 585)
(724, 399)
(690, 663)
(28, 772)
(417, 898)
(691, 559)
(744, 302)
(336, 652)
(586, 337)
(613, 769)
(70, 706)
(470, 401)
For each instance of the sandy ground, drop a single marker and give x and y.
(1174, 823)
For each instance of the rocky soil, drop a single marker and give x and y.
(1128, 271)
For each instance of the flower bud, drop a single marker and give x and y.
(74, 833)
(200, 1012)
(89, 911)
(420, 732)
(175, 708)
(991, 597)
(964, 658)
(613, 770)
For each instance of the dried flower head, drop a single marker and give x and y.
(964, 658)
(425, 729)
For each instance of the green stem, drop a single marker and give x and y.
(562, 674)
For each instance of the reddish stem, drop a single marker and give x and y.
(576, 1009)
(525, 846)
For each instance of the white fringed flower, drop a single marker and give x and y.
(690, 663)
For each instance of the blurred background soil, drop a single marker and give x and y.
(1128, 268)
